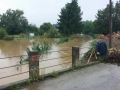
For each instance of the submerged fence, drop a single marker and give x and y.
(34, 62)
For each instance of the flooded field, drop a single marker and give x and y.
(18, 47)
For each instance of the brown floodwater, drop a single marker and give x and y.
(18, 47)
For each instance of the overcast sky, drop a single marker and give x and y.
(40, 11)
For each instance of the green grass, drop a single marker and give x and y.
(54, 74)
(64, 39)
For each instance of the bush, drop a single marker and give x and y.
(41, 48)
(118, 37)
(58, 35)
(93, 43)
(22, 35)
(52, 32)
(54, 74)
(8, 38)
(41, 32)
(93, 35)
(2, 33)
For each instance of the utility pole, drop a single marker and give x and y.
(110, 24)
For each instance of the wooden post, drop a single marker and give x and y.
(75, 56)
(110, 24)
(33, 65)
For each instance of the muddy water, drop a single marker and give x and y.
(18, 47)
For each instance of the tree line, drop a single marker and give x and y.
(13, 22)
(102, 19)
(69, 22)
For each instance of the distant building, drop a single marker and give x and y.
(31, 34)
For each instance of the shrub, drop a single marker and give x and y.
(52, 32)
(54, 74)
(28, 82)
(2, 33)
(118, 37)
(92, 35)
(22, 35)
(41, 32)
(64, 39)
(58, 35)
(93, 43)
(41, 48)
(8, 38)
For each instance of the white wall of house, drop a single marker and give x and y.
(31, 34)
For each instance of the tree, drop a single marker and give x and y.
(45, 26)
(32, 28)
(102, 19)
(3, 33)
(116, 17)
(13, 21)
(88, 27)
(70, 19)
(41, 32)
(52, 32)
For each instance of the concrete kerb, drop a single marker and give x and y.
(47, 76)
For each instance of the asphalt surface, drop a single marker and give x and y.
(97, 77)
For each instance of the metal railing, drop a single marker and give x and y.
(21, 56)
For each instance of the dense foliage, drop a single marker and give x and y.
(102, 19)
(48, 30)
(41, 32)
(41, 48)
(3, 33)
(45, 26)
(8, 38)
(52, 32)
(70, 19)
(88, 27)
(32, 29)
(69, 22)
(13, 21)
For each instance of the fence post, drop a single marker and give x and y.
(33, 65)
(75, 56)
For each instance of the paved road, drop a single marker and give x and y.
(97, 77)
